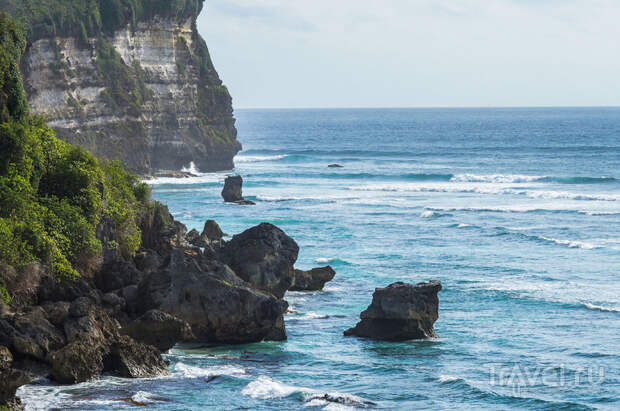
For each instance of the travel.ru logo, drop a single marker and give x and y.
(521, 378)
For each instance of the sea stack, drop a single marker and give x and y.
(233, 191)
(400, 312)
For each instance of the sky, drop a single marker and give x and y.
(415, 53)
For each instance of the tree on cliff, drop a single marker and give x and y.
(53, 195)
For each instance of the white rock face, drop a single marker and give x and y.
(184, 116)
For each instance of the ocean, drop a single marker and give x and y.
(516, 211)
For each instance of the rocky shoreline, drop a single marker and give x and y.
(124, 312)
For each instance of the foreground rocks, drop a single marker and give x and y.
(233, 191)
(313, 280)
(264, 257)
(400, 312)
(125, 311)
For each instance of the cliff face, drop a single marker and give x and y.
(143, 90)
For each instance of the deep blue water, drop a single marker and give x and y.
(516, 211)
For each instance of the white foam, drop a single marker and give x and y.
(601, 308)
(191, 169)
(200, 179)
(188, 371)
(448, 378)
(266, 388)
(572, 244)
(142, 396)
(323, 260)
(495, 178)
(463, 225)
(254, 159)
(428, 214)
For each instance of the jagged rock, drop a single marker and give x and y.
(130, 359)
(78, 361)
(264, 257)
(197, 240)
(57, 312)
(23, 283)
(400, 312)
(233, 189)
(160, 231)
(159, 329)
(313, 280)
(217, 304)
(30, 334)
(147, 261)
(212, 231)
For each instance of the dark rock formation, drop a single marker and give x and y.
(212, 231)
(313, 280)
(400, 312)
(264, 257)
(335, 166)
(218, 305)
(159, 329)
(10, 380)
(194, 238)
(233, 191)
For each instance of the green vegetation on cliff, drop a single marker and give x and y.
(90, 18)
(53, 195)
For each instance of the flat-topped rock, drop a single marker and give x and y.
(400, 312)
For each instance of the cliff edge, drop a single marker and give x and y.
(129, 80)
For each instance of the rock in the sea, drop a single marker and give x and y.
(264, 257)
(400, 312)
(233, 191)
(10, 380)
(335, 166)
(218, 305)
(313, 280)
(159, 329)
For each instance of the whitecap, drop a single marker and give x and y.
(191, 169)
(266, 388)
(572, 244)
(495, 178)
(601, 308)
(254, 159)
(188, 371)
(323, 260)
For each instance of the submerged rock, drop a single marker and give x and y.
(264, 257)
(313, 280)
(400, 312)
(335, 166)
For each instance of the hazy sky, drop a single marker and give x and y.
(416, 53)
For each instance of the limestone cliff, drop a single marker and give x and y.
(128, 79)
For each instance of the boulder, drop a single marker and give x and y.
(10, 380)
(212, 231)
(218, 306)
(159, 329)
(130, 359)
(233, 191)
(313, 280)
(400, 312)
(264, 257)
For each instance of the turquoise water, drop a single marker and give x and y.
(516, 211)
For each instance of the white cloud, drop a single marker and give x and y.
(415, 52)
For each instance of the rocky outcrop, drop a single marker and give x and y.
(233, 191)
(159, 329)
(217, 304)
(212, 233)
(313, 280)
(120, 320)
(400, 312)
(142, 90)
(264, 257)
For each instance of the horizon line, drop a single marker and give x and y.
(415, 107)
